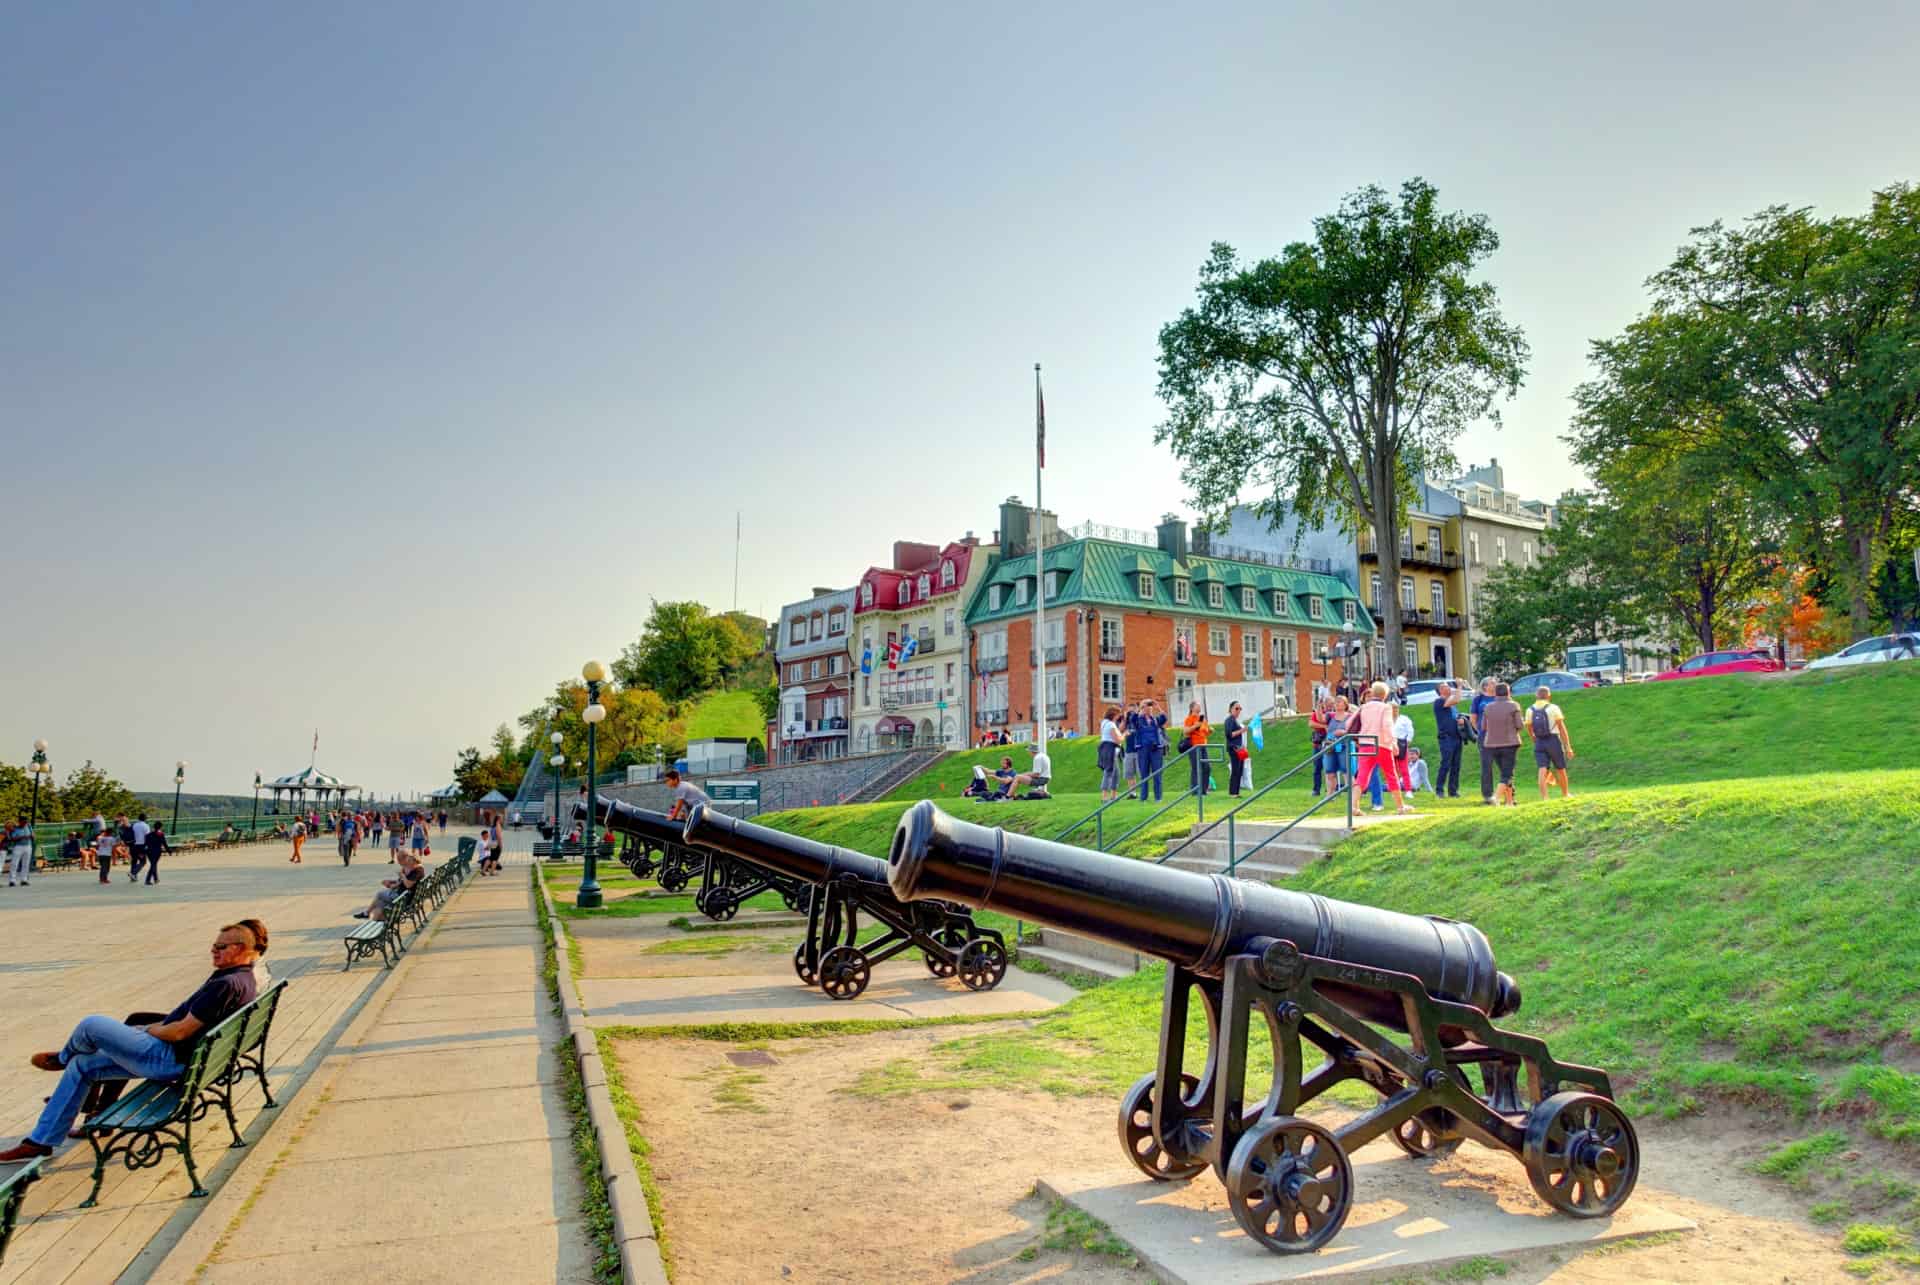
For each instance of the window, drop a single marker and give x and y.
(1182, 690)
(1314, 603)
(1526, 551)
(836, 622)
(1216, 596)
(993, 597)
(1406, 593)
(1379, 658)
(994, 643)
(1433, 539)
(946, 623)
(923, 585)
(1112, 685)
(1346, 610)
(1056, 687)
(1020, 593)
(866, 593)
(949, 676)
(1111, 639)
(797, 631)
(1373, 599)
(1406, 542)
(866, 689)
(906, 592)
(1217, 640)
(1146, 585)
(1250, 653)
(819, 626)
(1439, 599)
(946, 574)
(793, 672)
(1183, 653)
(1411, 653)
(1055, 632)
(1473, 548)
(1179, 590)
(1286, 653)
(1500, 548)
(1279, 602)
(815, 670)
(1247, 599)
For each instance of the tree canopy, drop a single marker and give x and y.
(1322, 382)
(685, 650)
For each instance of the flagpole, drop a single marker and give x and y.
(1039, 566)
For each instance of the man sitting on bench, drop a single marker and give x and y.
(102, 1049)
(411, 873)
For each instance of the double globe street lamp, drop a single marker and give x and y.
(589, 898)
(39, 767)
(557, 761)
(179, 779)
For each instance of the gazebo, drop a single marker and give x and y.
(494, 799)
(312, 781)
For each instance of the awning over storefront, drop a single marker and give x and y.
(894, 723)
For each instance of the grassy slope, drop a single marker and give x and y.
(727, 714)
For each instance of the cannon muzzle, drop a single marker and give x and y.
(788, 853)
(624, 818)
(1194, 920)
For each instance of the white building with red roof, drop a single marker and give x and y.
(909, 646)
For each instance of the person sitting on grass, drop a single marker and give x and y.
(977, 788)
(1418, 778)
(102, 1049)
(411, 873)
(1006, 776)
(1036, 780)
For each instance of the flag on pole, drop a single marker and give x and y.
(893, 652)
(866, 657)
(1039, 420)
(1256, 735)
(908, 648)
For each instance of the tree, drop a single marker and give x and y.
(1333, 375)
(683, 651)
(768, 699)
(1790, 348)
(469, 774)
(1577, 594)
(89, 790)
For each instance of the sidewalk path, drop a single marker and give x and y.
(434, 1145)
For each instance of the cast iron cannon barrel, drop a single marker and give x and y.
(788, 853)
(643, 823)
(1194, 920)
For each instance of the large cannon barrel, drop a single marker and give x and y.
(788, 853)
(1194, 920)
(625, 818)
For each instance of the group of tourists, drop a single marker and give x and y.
(1495, 720)
(137, 843)
(405, 829)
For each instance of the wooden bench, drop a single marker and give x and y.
(564, 848)
(159, 1115)
(385, 935)
(13, 1194)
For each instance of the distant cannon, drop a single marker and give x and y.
(725, 882)
(1345, 978)
(846, 885)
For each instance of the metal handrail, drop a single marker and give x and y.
(1233, 855)
(1099, 824)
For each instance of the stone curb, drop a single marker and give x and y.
(640, 1261)
(184, 1259)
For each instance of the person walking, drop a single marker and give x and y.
(417, 836)
(1112, 744)
(1374, 726)
(1552, 745)
(1500, 739)
(349, 837)
(1198, 730)
(1339, 754)
(19, 851)
(156, 846)
(299, 839)
(137, 845)
(105, 844)
(1234, 735)
(1130, 747)
(1317, 729)
(1150, 739)
(1446, 726)
(1476, 718)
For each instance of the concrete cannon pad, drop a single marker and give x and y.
(1407, 1216)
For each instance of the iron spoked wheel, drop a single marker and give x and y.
(955, 941)
(1290, 1185)
(806, 974)
(673, 878)
(983, 962)
(845, 972)
(796, 900)
(1428, 1134)
(1581, 1154)
(1136, 1133)
(939, 965)
(722, 905)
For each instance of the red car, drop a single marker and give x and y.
(1744, 661)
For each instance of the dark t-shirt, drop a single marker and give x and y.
(1446, 720)
(221, 996)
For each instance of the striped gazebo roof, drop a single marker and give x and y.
(312, 779)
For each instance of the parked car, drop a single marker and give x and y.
(1558, 679)
(1872, 651)
(1744, 661)
(1427, 690)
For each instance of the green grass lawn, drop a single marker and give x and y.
(727, 714)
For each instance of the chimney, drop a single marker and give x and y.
(1014, 534)
(1046, 528)
(1173, 536)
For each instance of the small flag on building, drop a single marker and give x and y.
(908, 648)
(893, 652)
(866, 658)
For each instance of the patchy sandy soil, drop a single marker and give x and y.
(772, 1173)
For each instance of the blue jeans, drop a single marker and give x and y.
(1149, 774)
(101, 1049)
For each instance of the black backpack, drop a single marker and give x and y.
(1542, 726)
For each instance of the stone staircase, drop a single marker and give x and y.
(910, 765)
(1309, 841)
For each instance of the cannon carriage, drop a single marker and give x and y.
(1402, 1003)
(846, 886)
(650, 841)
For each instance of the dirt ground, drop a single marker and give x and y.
(772, 1172)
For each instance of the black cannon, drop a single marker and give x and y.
(1400, 1002)
(726, 883)
(847, 884)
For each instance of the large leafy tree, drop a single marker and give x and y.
(1578, 593)
(685, 650)
(1789, 349)
(89, 790)
(1323, 381)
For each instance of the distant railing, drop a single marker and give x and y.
(989, 664)
(990, 717)
(1117, 534)
(1113, 651)
(1055, 655)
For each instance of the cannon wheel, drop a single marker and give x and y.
(1430, 1133)
(800, 968)
(796, 899)
(1581, 1154)
(983, 962)
(1290, 1185)
(955, 941)
(1136, 1132)
(845, 972)
(721, 905)
(672, 878)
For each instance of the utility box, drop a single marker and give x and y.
(716, 754)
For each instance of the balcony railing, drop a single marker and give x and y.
(1423, 618)
(990, 718)
(989, 664)
(1055, 656)
(1113, 651)
(1056, 709)
(1186, 659)
(1417, 555)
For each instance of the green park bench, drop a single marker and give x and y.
(13, 1194)
(385, 936)
(562, 849)
(159, 1115)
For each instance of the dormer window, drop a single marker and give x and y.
(924, 583)
(1020, 593)
(1346, 610)
(1216, 596)
(1179, 590)
(906, 592)
(993, 597)
(1247, 599)
(946, 574)
(866, 593)
(1279, 602)
(1146, 586)
(797, 631)
(1056, 582)
(836, 622)
(1313, 606)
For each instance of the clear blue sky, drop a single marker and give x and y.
(369, 367)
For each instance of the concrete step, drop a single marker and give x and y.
(1211, 852)
(1257, 870)
(1070, 962)
(1093, 948)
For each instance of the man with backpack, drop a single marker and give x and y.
(1552, 746)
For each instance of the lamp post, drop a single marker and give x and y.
(558, 761)
(256, 803)
(588, 898)
(39, 767)
(179, 779)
